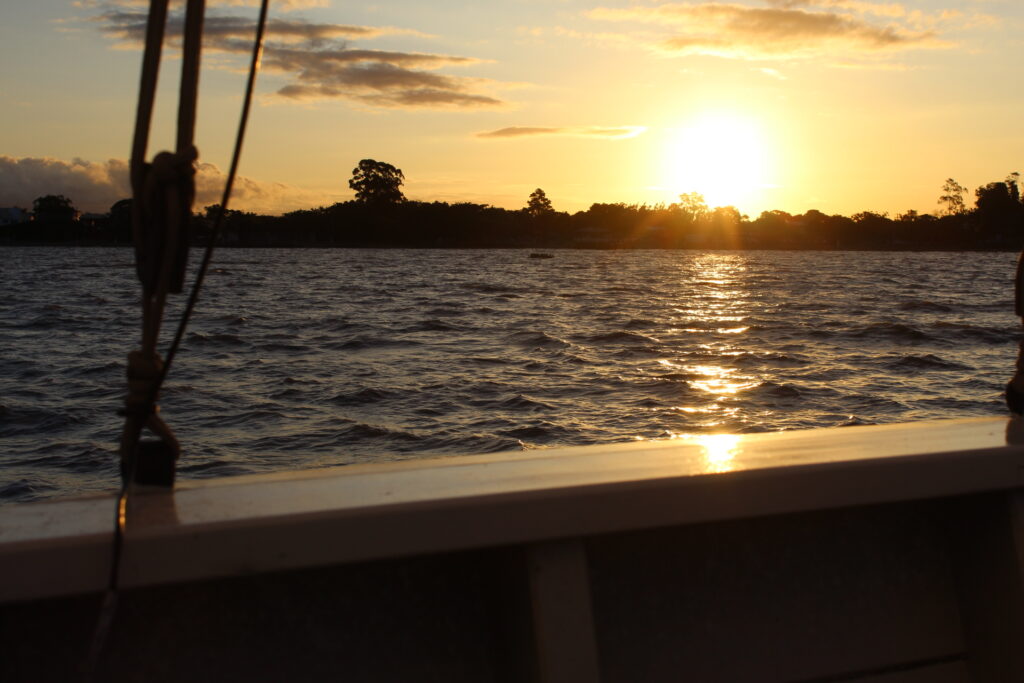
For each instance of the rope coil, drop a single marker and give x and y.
(165, 205)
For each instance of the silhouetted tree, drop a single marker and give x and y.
(53, 208)
(539, 204)
(995, 199)
(693, 206)
(1012, 181)
(953, 197)
(1000, 212)
(874, 230)
(121, 220)
(377, 182)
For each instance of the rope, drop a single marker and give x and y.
(189, 90)
(166, 188)
(254, 67)
(155, 25)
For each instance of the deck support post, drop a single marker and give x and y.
(988, 560)
(563, 622)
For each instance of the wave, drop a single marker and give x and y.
(619, 337)
(541, 432)
(28, 420)
(537, 339)
(365, 395)
(392, 437)
(642, 324)
(24, 490)
(891, 331)
(430, 325)
(924, 306)
(959, 332)
(770, 359)
(494, 288)
(923, 363)
(212, 468)
(369, 343)
(520, 403)
(215, 339)
(257, 418)
(776, 391)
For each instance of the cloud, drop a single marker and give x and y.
(783, 31)
(220, 32)
(774, 73)
(520, 132)
(91, 186)
(94, 186)
(282, 5)
(887, 9)
(375, 77)
(317, 61)
(615, 132)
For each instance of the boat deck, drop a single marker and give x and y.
(882, 553)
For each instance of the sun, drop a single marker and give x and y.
(722, 155)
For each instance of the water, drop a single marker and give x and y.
(312, 358)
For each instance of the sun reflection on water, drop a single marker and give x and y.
(720, 381)
(718, 450)
(719, 306)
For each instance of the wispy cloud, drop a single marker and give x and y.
(787, 29)
(96, 186)
(881, 9)
(612, 132)
(774, 73)
(317, 60)
(279, 5)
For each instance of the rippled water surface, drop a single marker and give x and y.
(310, 358)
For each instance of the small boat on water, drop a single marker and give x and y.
(883, 554)
(541, 255)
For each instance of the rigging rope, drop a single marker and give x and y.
(163, 193)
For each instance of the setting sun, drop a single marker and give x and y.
(723, 156)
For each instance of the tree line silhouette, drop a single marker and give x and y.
(381, 216)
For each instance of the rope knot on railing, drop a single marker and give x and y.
(157, 458)
(143, 371)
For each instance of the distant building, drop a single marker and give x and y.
(13, 216)
(94, 220)
(592, 236)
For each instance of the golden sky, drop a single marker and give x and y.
(835, 105)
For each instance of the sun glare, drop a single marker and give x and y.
(722, 156)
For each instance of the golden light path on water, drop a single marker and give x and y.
(720, 306)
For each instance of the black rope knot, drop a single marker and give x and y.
(143, 371)
(152, 461)
(163, 218)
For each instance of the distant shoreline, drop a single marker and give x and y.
(114, 245)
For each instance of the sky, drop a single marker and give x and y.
(836, 105)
